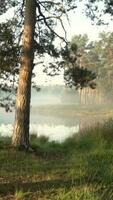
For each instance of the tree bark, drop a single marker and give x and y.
(22, 112)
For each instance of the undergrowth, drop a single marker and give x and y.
(80, 168)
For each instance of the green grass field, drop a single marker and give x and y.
(81, 168)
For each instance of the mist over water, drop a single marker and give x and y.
(54, 95)
(58, 113)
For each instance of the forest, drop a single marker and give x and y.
(34, 165)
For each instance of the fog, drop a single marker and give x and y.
(59, 112)
(54, 95)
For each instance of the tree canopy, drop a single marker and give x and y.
(9, 61)
(97, 9)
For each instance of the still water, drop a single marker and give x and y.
(53, 114)
(56, 128)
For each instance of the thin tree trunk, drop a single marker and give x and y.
(22, 113)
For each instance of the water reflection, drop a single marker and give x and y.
(54, 133)
(55, 128)
(60, 118)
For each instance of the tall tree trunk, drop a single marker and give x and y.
(22, 112)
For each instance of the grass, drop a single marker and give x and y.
(20, 195)
(81, 168)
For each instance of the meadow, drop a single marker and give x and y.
(80, 168)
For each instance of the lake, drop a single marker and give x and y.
(57, 113)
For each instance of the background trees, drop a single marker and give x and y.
(75, 71)
(97, 56)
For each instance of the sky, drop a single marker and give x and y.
(79, 24)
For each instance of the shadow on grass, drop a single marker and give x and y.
(6, 188)
(53, 186)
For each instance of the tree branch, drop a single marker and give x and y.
(45, 21)
(51, 2)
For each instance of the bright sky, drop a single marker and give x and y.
(79, 24)
(7, 15)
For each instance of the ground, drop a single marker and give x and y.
(81, 168)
